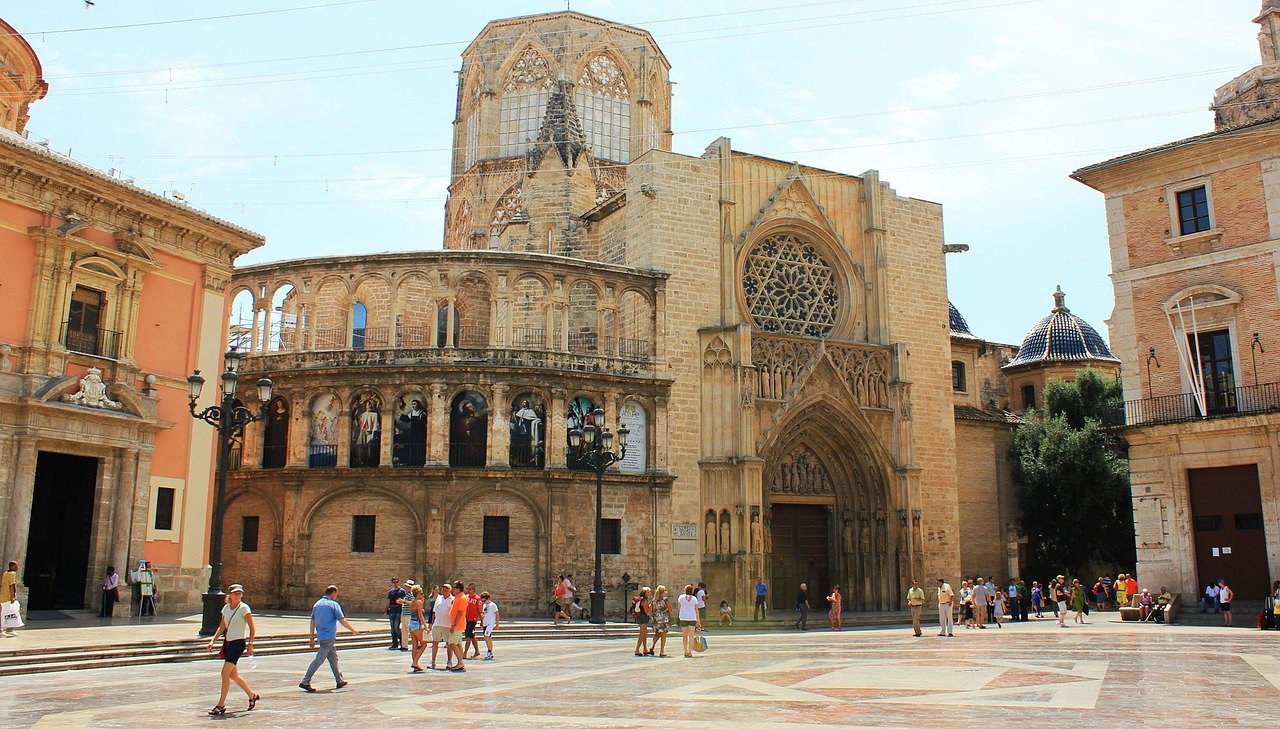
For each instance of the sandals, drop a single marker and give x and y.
(416, 669)
(649, 652)
(253, 701)
(218, 710)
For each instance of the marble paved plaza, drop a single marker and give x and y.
(1162, 676)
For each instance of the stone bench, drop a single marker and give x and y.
(1134, 612)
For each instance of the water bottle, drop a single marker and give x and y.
(253, 661)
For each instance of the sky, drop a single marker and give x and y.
(325, 125)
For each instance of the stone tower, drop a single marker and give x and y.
(1254, 95)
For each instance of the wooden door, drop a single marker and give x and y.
(801, 553)
(1230, 542)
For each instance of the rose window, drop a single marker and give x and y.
(790, 288)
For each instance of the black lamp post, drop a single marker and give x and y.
(230, 420)
(595, 449)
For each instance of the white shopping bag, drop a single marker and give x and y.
(10, 615)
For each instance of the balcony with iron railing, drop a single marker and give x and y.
(1183, 407)
(97, 342)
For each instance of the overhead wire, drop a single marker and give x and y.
(178, 21)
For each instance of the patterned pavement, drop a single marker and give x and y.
(1161, 675)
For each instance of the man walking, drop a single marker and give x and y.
(473, 617)
(395, 607)
(762, 593)
(325, 616)
(9, 592)
(457, 626)
(802, 607)
(980, 603)
(946, 622)
(915, 599)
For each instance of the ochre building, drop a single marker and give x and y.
(113, 295)
(1194, 230)
(773, 335)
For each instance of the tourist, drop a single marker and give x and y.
(915, 600)
(429, 607)
(1024, 600)
(834, 617)
(1037, 599)
(146, 589)
(440, 626)
(726, 613)
(802, 607)
(406, 637)
(641, 610)
(473, 618)
(997, 607)
(417, 621)
(9, 593)
(564, 593)
(1210, 599)
(661, 620)
(1060, 597)
(992, 586)
(1078, 600)
(110, 593)
(395, 606)
(981, 598)
(457, 626)
(946, 621)
(325, 616)
(1144, 605)
(966, 604)
(1130, 586)
(489, 621)
(1122, 597)
(762, 593)
(1100, 595)
(1225, 596)
(236, 621)
(689, 618)
(1016, 613)
(701, 594)
(1164, 602)
(577, 609)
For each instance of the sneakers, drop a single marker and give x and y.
(488, 656)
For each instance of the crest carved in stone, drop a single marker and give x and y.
(92, 392)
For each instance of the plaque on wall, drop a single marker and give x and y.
(684, 530)
(1148, 520)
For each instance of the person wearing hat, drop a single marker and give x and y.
(238, 632)
(406, 636)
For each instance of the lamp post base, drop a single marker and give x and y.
(211, 617)
(597, 607)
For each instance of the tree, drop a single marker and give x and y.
(1072, 476)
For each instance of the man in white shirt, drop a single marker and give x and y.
(980, 595)
(489, 619)
(441, 623)
(1210, 598)
(946, 621)
(701, 595)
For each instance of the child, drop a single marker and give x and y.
(997, 610)
(1037, 598)
(726, 613)
(489, 618)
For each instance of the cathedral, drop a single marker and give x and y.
(774, 337)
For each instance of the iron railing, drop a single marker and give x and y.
(408, 455)
(531, 337)
(583, 341)
(1181, 408)
(322, 456)
(274, 456)
(467, 455)
(97, 342)
(413, 336)
(237, 457)
(329, 338)
(639, 349)
(528, 456)
(472, 336)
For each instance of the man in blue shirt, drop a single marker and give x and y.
(325, 616)
(396, 598)
(762, 591)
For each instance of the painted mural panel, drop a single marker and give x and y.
(581, 414)
(323, 448)
(366, 430)
(468, 430)
(409, 441)
(528, 431)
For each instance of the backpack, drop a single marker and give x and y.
(559, 591)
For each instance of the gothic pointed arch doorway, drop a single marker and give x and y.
(827, 512)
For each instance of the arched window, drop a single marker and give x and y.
(957, 377)
(359, 323)
(366, 430)
(468, 430)
(635, 326)
(275, 435)
(471, 307)
(604, 107)
(240, 329)
(442, 324)
(282, 330)
(528, 431)
(584, 322)
(409, 441)
(1028, 397)
(524, 100)
(529, 313)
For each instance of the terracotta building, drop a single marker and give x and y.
(1194, 231)
(124, 293)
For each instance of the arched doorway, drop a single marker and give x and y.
(827, 512)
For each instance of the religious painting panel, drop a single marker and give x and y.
(366, 430)
(409, 439)
(581, 414)
(323, 446)
(275, 434)
(528, 431)
(468, 430)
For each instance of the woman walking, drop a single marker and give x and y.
(689, 618)
(417, 621)
(1077, 600)
(837, 605)
(1037, 599)
(110, 593)
(661, 620)
(641, 610)
(237, 620)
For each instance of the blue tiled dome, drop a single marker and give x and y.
(958, 324)
(1061, 337)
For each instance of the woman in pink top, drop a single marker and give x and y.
(837, 605)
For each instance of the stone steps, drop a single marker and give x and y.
(37, 660)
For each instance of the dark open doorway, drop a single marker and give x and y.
(61, 521)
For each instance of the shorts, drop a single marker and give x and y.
(232, 650)
(488, 631)
(1225, 606)
(414, 625)
(455, 637)
(1062, 606)
(642, 619)
(470, 631)
(440, 634)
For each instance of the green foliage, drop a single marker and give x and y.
(1073, 481)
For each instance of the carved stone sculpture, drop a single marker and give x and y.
(92, 392)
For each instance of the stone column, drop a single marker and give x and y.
(388, 431)
(20, 499)
(344, 438)
(611, 412)
(556, 443)
(125, 465)
(438, 427)
(499, 428)
(658, 433)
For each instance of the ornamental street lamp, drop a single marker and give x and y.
(595, 450)
(230, 420)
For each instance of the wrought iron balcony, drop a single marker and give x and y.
(1183, 408)
(97, 342)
